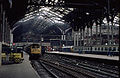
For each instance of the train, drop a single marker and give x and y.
(11, 55)
(35, 51)
(66, 49)
(112, 50)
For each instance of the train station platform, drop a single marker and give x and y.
(104, 57)
(22, 70)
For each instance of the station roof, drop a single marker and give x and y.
(43, 14)
(16, 9)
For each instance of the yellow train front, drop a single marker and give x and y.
(14, 55)
(35, 51)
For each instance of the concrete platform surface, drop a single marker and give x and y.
(22, 70)
(88, 55)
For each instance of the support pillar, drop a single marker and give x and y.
(83, 35)
(108, 32)
(11, 37)
(108, 21)
(87, 36)
(64, 37)
(112, 34)
(79, 38)
(77, 35)
(100, 35)
(1, 14)
(0, 53)
(3, 35)
(61, 37)
(74, 38)
(91, 40)
(96, 34)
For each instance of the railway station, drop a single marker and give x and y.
(59, 38)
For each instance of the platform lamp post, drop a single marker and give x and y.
(91, 35)
(108, 21)
(0, 52)
(1, 12)
(60, 40)
(42, 39)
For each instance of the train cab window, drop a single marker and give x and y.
(35, 46)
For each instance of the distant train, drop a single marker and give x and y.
(99, 49)
(35, 51)
(112, 50)
(66, 49)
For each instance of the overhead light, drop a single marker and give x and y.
(87, 13)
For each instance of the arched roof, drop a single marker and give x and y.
(21, 7)
(39, 15)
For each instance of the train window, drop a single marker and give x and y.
(98, 48)
(110, 48)
(114, 48)
(118, 48)
(95, 48)
(92, 48)
(88, 48)
(105, 48)
(102, 48)
(81, 48)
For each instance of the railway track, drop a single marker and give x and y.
(94, 69)
(64, 67)
(103, 72)
(42, 70)
(60, 71)
(75, 72)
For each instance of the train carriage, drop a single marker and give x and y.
(112, 50)
(67, 49)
